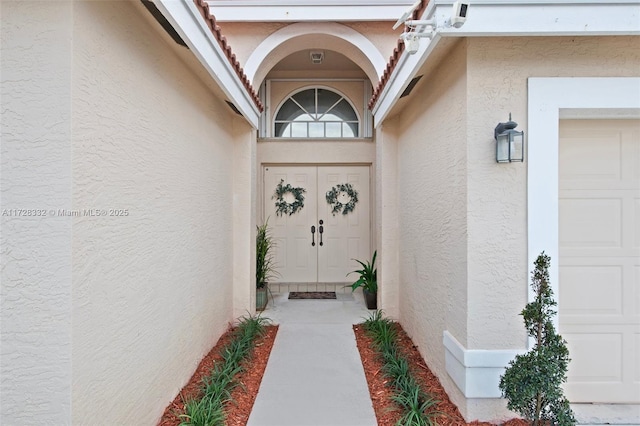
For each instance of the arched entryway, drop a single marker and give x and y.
(323, 35)
(316, 140)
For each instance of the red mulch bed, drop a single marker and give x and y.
(386, 411)
(243, 396)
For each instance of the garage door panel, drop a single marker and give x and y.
(636, 221)
(631, 149)
(587, 350)
(636, 342)
(636, 291)
(592, 155)
(594, 222)
(591, 290)
(599, 264)
(591, 373)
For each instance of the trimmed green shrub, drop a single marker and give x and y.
(532, 383)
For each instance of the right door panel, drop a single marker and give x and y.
(346, 236)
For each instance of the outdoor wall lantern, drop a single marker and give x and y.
(509, 142)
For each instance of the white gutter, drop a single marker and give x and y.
(187, 20)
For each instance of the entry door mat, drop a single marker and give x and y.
(312, 295)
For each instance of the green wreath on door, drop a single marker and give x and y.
(282, 205)
(342, 198)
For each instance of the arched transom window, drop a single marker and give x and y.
(316, 113)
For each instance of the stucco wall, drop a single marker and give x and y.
(380, 34)
(152, 291)
(432, 199)
(35, 293)
(462, 236)
(497, 85)
(244, 37)
(244, 217)
(111, 300)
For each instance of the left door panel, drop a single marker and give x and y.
(295, 257)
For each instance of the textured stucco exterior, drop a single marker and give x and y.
(432, 199)
(462, 217)
(35, 295)
(497, 195)
(131, 301)
(143, 189)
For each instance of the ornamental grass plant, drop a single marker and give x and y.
(217, 386)
(418, 406)
(367, 276)
(265, 263)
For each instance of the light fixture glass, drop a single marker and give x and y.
(509, 142)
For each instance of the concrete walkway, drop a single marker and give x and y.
(314, 376)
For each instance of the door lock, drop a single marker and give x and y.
(313, 232)
(320, 231)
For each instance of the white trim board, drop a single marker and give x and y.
(548, 98)
(316, 10)
(476, 372)
(540, 18)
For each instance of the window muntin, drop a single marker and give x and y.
(316, 113)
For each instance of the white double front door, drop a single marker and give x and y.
(314, 245)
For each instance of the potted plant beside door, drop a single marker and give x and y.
(265, 266)
(368, 280)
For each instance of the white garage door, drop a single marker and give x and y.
(599, 300)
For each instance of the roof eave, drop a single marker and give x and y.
(489, 18)
(188, 21)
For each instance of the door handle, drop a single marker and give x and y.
(320, 231)
(313, 235)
